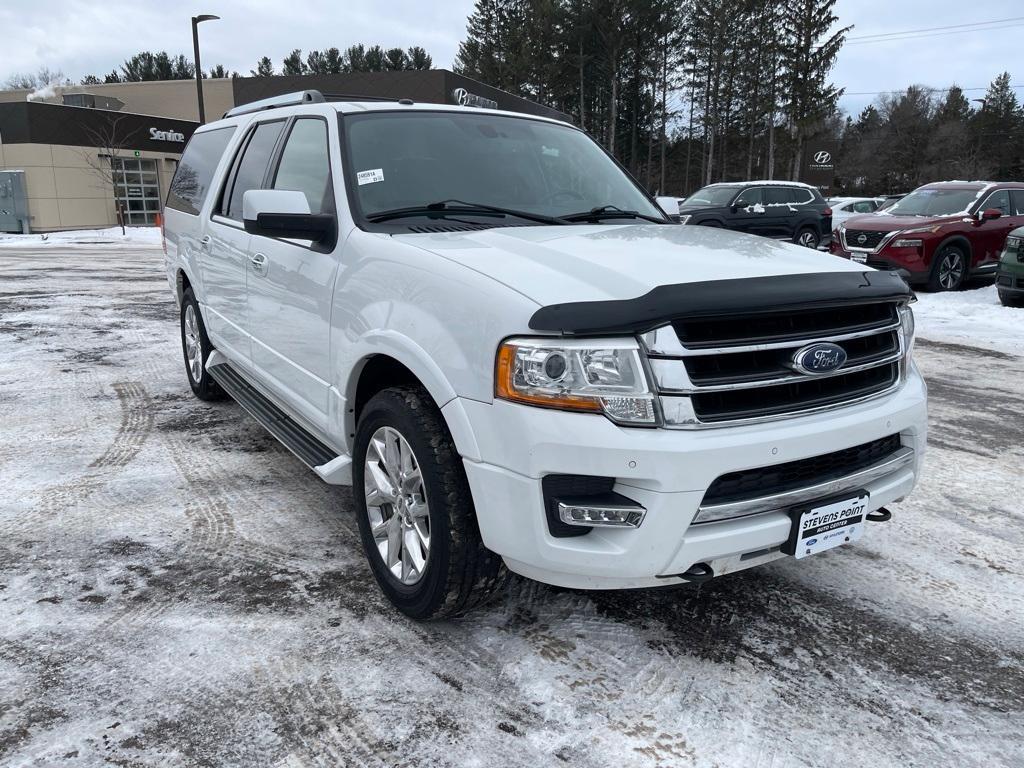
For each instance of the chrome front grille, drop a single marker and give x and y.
(725, 370)
(863, 239)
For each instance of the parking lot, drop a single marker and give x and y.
(177, 589)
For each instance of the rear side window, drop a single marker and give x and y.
(252, 168)
(305, 165)
(194, 176)
(778, 196)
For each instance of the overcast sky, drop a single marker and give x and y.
(83, 37)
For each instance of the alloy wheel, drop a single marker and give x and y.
(808, 240)
(193, 344)
(951, 269)
(396, 505)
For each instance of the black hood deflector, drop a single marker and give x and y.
(753, 295)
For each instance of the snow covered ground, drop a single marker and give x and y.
(132, 236)
(177, 590)
(973, 317)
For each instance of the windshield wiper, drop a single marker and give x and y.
(611, 212)
(460, 207)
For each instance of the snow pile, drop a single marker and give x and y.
(974, 318)
(71, 238)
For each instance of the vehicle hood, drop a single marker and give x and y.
(880, 222)
(594, 263)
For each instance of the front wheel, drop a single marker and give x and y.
(415, 511)
(948, 269)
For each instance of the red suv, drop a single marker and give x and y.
(938, 235)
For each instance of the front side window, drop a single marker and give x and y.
(865, 206)
(752, 196)
(192, 180)
(999, 200)
(411, 160)
(778, 196)
(305, 164)
(252, 168)
(714, 196)
(934, 202)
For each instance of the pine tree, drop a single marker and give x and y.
(419, 58)
(264, 68)
(293, 64)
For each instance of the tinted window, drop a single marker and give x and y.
(1000, 200)
(800, 196)
(778, 195)
(192, 180)
(715, 195)
(750, 196)
(253, 166)
(305, 165)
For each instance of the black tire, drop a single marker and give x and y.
(1008, 299)
(808, 237)
(949, 268)
(203, 386)
(459, 572)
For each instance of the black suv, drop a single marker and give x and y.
(784, 210)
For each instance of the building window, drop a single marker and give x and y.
(136, 189)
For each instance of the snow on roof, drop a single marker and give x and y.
(774, 182)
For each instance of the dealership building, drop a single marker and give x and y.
(79, 155)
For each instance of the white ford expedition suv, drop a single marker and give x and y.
(486, 326)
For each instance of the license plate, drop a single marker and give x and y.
(827, 525)
(861, 257)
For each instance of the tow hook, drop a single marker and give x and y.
(880, 515)
(698, 573)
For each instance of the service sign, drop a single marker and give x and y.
(157, 135)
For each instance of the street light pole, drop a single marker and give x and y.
(196, 20)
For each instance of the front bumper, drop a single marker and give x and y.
(909, 262)
(668, 472)
(1010, 279)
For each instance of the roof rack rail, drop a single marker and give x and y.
(284, 100)
(358, 97)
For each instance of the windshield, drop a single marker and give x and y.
(712, 196)
(934, 202)
(407, 160)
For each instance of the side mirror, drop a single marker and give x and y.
(283, 213)
(669, 205)
(989, 214)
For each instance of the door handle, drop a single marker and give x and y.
(259, 263)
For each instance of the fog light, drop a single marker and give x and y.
(588, 512)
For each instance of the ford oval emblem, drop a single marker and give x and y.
(819, 358)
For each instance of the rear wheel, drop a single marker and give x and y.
(808, 237)
(949, 269)
(196, 346)
(415, 511)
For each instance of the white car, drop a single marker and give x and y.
(845, 207)
(478, 320)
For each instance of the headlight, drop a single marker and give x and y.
(1012, 243)
(600, 376)
(684, 219)
(906, 243)
(906, 336)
